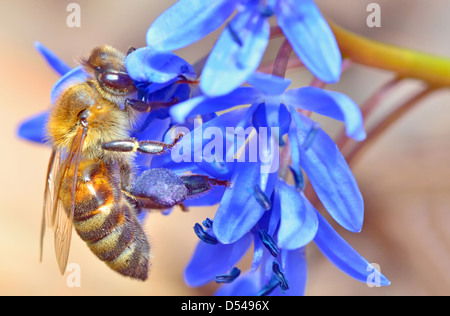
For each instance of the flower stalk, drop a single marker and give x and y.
(406, 63)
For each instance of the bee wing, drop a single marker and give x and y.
(52, 169)
(54, 213)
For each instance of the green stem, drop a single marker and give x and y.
(407, 63)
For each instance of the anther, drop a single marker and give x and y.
(298, 179)
(280, 276)
(268, 288)
(228, 278)
(204, 236)
(262, 198)
(312, 133)
(234, 35)
(268, 242)
(266, 11)
(207, 223)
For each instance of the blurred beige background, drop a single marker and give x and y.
(403, 177)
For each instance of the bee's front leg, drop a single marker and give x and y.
(197, 184)
(142, 106)
(145, 146)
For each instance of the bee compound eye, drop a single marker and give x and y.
(116, 80)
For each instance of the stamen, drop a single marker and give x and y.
(234, 35)
(262, 198)
(298, 178)
(268, 242)
(267, 11)
(204, 236)
(228, 278)
(280, 276)
(207, 223)
(268, 288)
(311, 136)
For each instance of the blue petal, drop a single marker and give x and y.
(33, 129)
(54, 61)
(210, 260)
(275, 214)
(75, 76)
(187, 21)
(147, 91)
(343, 256)
(330, 175)
(239, 210)
(333, 104)
(299, 223)
(311, 38)
(191, 149)
(148, 65)
(245, 285)
(273, 115)
(180, 91)
(258, 251)
(203, 104)
(237, 53)
(296, 168)
(268, 84)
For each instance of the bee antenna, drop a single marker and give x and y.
(130, 50)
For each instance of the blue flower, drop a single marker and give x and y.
(259, 208)
(262, 209)
(313, 150)
(240, 47)
(279, 264)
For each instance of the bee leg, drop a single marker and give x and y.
(145, 146)
(183, 207)
(142, 106)
(198, 183)
(161, 188)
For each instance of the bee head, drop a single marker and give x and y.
(106, 65)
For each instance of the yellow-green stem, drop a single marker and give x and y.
(407, 63)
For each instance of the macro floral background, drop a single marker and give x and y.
(403, 177)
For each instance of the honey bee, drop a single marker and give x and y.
(90, 175)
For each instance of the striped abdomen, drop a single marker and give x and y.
(107, 222)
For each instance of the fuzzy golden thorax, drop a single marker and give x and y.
(105, 122)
